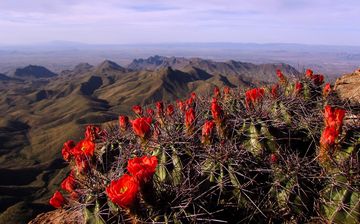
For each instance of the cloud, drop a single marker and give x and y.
(151, 7)
(114, 21)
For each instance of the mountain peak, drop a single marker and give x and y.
(109, 63)
(4, 77)
(82, 67)
(156, 59)
(34, 71)
(107, 66)
(152, 63)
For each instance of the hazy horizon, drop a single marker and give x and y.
(143, 22)
(79, 44)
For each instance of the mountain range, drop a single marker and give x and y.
(40, 110)
(332, 61)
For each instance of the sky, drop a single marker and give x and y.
(329, 22)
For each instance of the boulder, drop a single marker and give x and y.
(348, 87)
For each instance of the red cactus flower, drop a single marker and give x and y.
(68, 184)
(280, 75)
(248, 97)
(74, 195)
(329, 136)
(190, 103)
(66, 154)
(318, 80)
(216, 92)
(141, 126)
(137, 110)
(150, 112)
(170, 110)
(298, 87)
(207, 131)
(123, 122)
(180, 105)
(333, 121)
(84, 147)
(273, 158)
(329, 116)
(327, 89)
(274, 91)
(81, 164)
(216, 111)
(258, 94)
(339, 117)
(334, 117)
(94, 132)
(226, 90)
(67, 148)
(193, 96)
(253, 96)
(57, 200)
(189, 118)
(309, 73)
(142, 168)
(160, 108)
(123, 191)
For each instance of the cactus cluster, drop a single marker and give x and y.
(264, 155)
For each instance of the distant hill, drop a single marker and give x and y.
(78, 69)
(247, 72)
(33, 71)
(38, 115)
(7, 81)
(4, 77)
(108, 66)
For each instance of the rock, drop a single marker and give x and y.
(59, 216)
(348, 87)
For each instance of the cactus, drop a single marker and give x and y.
(259, 163)
(342, 202)
(341, 196)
